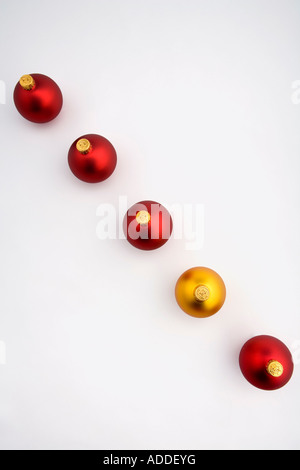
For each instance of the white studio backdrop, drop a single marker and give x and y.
(201, 101)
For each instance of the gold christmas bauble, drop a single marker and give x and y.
(200, 292)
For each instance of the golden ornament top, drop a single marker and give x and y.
(27, 82)
(83, 146)
(143, 217)
(201, 293)
(274, 368)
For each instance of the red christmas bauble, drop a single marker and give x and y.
(147, 225)
(38, 98)
(92, 158)
(266, 362)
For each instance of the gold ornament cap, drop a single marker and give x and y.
(27, 82)
(83, 146)
(201, 293)
(143, 217)
(274, 368)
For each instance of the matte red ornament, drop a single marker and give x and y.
(92, 158)
(147, 225)
(266, 362)
(38, 98)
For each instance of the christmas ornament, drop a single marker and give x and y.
(38, 98)
(147, 225)
(266, 362)
(200, 292)
(92, 158)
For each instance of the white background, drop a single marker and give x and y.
(196, 97)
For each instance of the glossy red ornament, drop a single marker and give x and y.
(266, 362)
(38, 98)
(92, 158)
(147, 225)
